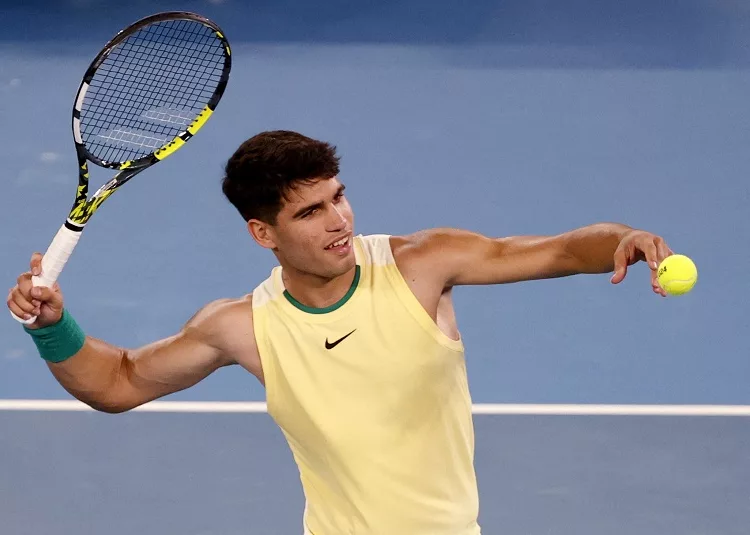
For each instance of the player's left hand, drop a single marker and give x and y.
(639, 245)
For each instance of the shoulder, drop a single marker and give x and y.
(227, 326)
(222, 319)
(423, 255)
(443, 254)
(223, 309)
(426, 244)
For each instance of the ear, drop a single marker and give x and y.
(262, 233)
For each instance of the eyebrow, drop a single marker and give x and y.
(299, 213)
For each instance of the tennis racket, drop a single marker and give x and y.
(149, 90)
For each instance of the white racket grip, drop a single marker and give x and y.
(54, 260)
(57, 255)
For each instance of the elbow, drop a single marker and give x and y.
(101, 383)
(99, 401)
(108, 404)
(117, 398)
(109, 407)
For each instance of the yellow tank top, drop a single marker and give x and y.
(374, 401)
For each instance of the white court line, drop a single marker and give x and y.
(614, 410)
(46, 405)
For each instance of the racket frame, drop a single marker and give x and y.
(67, 236)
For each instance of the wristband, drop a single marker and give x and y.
(59, 341)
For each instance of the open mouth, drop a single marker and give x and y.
(340, 244)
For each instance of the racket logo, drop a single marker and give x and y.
(180, 140)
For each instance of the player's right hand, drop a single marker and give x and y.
(26, 300)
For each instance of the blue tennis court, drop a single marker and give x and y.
(206, 474)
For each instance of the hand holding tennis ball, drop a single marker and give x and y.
(671, 274)
(677, 274)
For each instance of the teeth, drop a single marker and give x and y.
(342, 241)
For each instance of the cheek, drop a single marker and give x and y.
(346, 210)
(301, 241)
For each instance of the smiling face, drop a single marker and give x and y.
(285, 186)
(313, 232)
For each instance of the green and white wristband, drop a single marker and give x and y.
(59, 341)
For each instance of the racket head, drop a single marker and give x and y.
(149, 90)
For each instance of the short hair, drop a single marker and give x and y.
(265, 167)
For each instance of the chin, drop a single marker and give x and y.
(343, 266)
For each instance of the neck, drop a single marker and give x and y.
(315, 291)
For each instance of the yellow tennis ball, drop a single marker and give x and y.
(677, 274)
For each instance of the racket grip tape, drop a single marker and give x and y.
(54, 260)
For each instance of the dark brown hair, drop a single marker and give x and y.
(266, 166)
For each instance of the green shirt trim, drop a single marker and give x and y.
(331, 308)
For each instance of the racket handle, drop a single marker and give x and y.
(53, 261)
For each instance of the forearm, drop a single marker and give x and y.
(93, 374)
(591, 249)
(113, 379)
(86, 367)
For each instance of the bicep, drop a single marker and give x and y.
(179, 361)
(169, 365)
(514, 259)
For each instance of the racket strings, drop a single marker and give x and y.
(150, 88)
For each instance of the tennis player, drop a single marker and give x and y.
(354, 338)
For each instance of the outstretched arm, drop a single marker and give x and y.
(461, 257)
(114, 379)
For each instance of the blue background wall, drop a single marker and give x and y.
(505, 118)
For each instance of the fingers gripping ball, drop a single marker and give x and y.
(677, 274)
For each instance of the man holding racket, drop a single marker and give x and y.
(354, 338)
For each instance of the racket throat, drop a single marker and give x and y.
(74, 227)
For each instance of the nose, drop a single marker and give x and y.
(336, 219)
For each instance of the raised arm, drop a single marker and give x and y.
(114, 379)
(459, 257)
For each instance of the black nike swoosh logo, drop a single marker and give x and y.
(331, 345)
